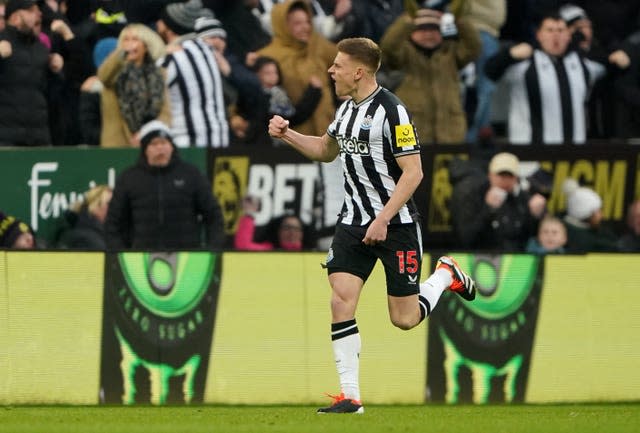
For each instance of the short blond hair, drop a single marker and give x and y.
(363, 50)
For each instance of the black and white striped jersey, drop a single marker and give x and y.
(196, 97)
(371, 135)
(548, 98)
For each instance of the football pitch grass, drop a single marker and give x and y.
(582, 418)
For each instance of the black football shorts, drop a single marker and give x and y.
(400, 253)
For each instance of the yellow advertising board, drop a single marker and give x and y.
(271, 340)
(52, 333)
(272, 336)
(587, 342)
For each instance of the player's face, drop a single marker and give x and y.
(299, 25)
(553, 36)
(343, 72)
(552, 235)
(158, 152)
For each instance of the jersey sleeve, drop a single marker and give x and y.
(332, 129)
(400, 132)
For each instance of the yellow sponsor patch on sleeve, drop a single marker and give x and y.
(405, 135)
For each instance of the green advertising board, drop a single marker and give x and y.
(40, 184)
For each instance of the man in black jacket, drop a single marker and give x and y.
(25, 69)
(491, 212)
(162, 202)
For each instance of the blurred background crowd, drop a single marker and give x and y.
(478, 73)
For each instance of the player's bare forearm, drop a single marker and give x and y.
(324, 149)
(411, 177)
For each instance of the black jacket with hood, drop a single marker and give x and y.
(168, 208)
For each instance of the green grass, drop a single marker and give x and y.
(587, 418)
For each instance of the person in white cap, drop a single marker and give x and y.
(495, 213)
(583, 220)
(162, 202)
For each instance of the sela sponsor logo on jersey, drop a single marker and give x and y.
(353, 146)
(405, 135)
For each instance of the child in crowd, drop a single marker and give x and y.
(268, 73)
(551, 237)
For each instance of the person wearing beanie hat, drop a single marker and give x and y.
(162, 202)
(198, 109)
(209, 27)
(583, 220)
(431, 63)
(13, 6)
(15, 233)
(495, 213)
(152, 130)
(180, 18)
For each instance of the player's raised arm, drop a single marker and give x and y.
(323, 148)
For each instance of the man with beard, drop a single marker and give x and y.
(25, 69)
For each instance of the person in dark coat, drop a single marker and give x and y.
(85, 221)
(25, 70)
(162, 202)
(629, 242)
(492, 212)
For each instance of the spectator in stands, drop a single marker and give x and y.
(332, 19)
(278, 102)
(585, 231)
(245, 34)
(134, 87)
(15, 234)
(198, 111)
(626, 94)
(302, 53)
(549, 86)
(242, 90)
(495, 213)
(602, 101)
(487, 17)
(85, 221)
(431, 88)
(89, 111)
(2, 15)
(162, 202)
(630, 241)
(613, 20)
(286, 232)
(551, 237)
(378, 16)
(64, 93)
(25, 70)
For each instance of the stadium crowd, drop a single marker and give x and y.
(479, 73)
